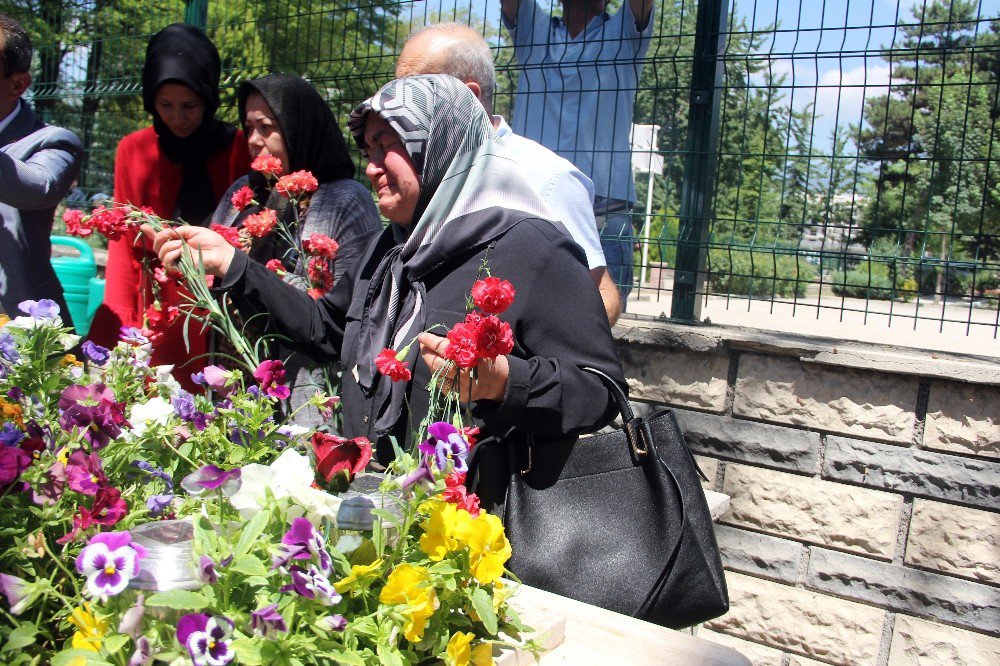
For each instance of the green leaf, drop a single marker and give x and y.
(248, 650)
(365, 626)
(115, 642)
(20, 637)
(388, 656)
(249, 565)
(483, 603)
(251, 532)
(179, 600)
(73, 656)
(341, 658)
(364, 554)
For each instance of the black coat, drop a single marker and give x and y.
(558, 321)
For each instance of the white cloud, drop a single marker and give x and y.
(841, 94)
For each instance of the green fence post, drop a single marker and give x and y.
(702, 159)
(196, 13)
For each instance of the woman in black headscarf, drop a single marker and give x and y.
(285, 117)
(456, 199)
(180, 167)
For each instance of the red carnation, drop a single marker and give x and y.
(492, 295)
(320, 275)
(456, 493)
(493, 337)
(76, 225)
(159, 318)
(339, 456)
(319, 245)
(110, 222)
(462, 347)
(315, 293)
(242, 198)
(390, 365)
(294, 185)
(261, 224)
(276, 266)
(231, 234)
(269, 165)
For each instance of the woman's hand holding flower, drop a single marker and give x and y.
(204, 244)
(490, 382)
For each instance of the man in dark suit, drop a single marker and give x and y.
(38, 163)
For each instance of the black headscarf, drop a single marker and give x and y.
(183, 54)
(313, 140)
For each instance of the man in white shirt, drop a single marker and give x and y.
(458, 50)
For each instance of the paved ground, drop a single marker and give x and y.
(952, 327)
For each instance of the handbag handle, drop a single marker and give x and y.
(636, 429)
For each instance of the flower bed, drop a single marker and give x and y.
(145, 524)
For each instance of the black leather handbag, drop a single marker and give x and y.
(618, 520)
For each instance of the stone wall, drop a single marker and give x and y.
(864, 525)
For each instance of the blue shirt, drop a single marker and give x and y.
(576, 96)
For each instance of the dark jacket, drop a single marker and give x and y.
(557, 318)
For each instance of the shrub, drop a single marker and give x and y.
(868, 280)
(758, 273)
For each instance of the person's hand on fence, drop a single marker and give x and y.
(204, 244)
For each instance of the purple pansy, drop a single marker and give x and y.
(132, 336)
(13, 461)
(183, 404)
(143, 655)
(93, 409)
(303, 541)
(422, 475)
(267, 621)
(332, 623)
(84, 473)
(270, 374)
(96, 354)
(313, 584)
(43, 309)
(206, 570)
(211, 478)
(155, 472)
(131, 622)
(445, 443)
(220, 380)
(10, 434)
(206, 639)
(109, 561)
(18, 593)
(8, 348)
(158, 503)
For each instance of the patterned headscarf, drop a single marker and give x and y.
(468, 184)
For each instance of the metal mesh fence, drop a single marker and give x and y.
(846, 172)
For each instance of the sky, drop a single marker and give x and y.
(847, 34)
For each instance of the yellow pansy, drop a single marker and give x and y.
(90, 628)
(500, 594)
(70, 359)
(409, 584)
(62, 455)
(443, 523)
(482, 655)
(459, 650)
(3, 320)
(488, 546)
(359, 573)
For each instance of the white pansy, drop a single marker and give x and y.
(155, 410)
(31, 323)
(164, 378)
(69, 340)
(289, 479)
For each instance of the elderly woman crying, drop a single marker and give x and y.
(454, 201)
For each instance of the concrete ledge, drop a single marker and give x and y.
(719, 339)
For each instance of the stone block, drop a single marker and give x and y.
(812, 510)
(813, 625)
(678, 378)
(964, 418)
(796, 660)
(710, 467)
(905, 590)
(759, 554)
(956, 540)
(759, 655)
(963, 480)
(852, 402)
(750, 441)
(920, 642)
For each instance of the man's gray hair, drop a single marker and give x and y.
(469, 58)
